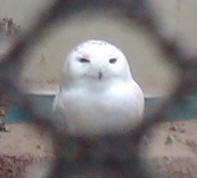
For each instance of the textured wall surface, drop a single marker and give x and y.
(178, 19)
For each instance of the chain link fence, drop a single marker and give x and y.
(76, 154)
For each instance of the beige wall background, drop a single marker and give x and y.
(44, 64)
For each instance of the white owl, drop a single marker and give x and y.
(98, 94)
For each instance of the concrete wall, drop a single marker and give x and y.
(178, 19)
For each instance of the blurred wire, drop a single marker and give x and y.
(75, 154)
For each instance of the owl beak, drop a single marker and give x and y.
(100, 75)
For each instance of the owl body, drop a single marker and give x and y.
(97, 99)
(114, 110)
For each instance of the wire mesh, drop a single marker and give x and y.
(77, 154)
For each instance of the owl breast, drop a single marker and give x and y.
(115, 110)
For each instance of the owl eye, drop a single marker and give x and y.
(113, 60)
(84, 60)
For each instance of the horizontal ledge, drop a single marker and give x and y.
(43, 104)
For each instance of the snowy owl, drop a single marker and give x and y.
(98, 94)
